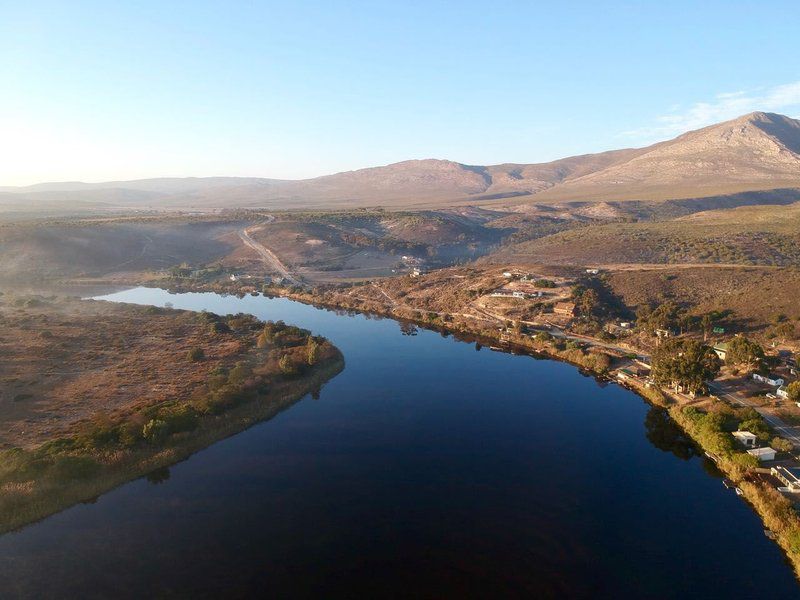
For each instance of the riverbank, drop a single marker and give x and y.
(23, 502)
(776, 511)
(97, 394)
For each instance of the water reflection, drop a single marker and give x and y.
(158, 476)
(408, 328)
(429, 468)
(665, 435)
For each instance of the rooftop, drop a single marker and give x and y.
(746, 434)
(789, 472)
(761, 451)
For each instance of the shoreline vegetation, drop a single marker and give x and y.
(282, 364)
(707, 428)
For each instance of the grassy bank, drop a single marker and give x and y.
(276, 365)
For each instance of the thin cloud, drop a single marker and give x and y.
(728, 105)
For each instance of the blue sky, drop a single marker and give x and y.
(119, 90)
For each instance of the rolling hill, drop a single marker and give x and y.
(755, 152)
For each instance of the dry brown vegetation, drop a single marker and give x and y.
(95, 394)
(762, 235)
(64, 361)
(95, 248)
(752, 297)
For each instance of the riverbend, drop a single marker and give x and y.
(428, 467)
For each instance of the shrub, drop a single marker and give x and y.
(196, 354)
(220, 327)
(155, 430)
(781, 445)
(240, 373)
(312, 352)
(287, 366)
(177, 419)
(130, 434)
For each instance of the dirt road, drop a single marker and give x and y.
(269, 257)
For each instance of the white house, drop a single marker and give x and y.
(592, 271)
(721, 350)
(773, 380)
(783, 392)
(789, 476)
(762, 454)
(745, 438)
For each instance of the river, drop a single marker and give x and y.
(429, 467)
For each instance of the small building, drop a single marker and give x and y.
(565, 308)
(664, 333)
(626, 374)
(745, 438)
(783, 392)
(771, 379)
(721, 350)
(790, 476)
(592, 271)
(762, 454)
(233, 277)
(508, 274)
(417, 272)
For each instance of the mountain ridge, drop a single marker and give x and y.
(756, 151)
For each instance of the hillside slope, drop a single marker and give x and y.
(748, 235)
(758, 151)
(754, 152)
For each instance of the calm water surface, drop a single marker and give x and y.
(425, 469)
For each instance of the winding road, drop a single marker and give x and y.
(268, 256)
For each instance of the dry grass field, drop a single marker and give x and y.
(62, 361)
(752, 235)
(755, 296)
(99, 247)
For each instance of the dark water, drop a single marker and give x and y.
(425, 469)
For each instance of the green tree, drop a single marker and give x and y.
(155, 430)
(588, 303)
(664, 316)
(742, 351)
(686, 322)
(686, 363)
(240, 373)
(286, 365)
(707, 325)
(794, 391)
(312, 352)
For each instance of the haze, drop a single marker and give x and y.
(95, 92)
